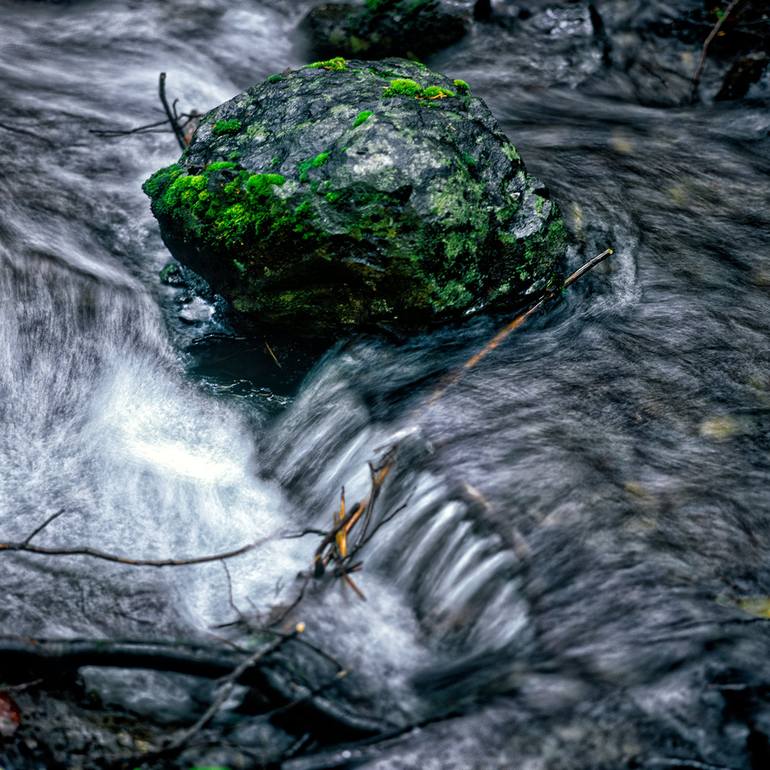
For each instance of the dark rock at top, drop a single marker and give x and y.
(382, 28)
(348, 193)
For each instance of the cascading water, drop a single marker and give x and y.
(581, 513)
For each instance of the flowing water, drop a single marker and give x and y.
(583, 512)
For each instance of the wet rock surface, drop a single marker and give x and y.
(348, 194)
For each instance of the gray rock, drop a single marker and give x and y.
(346, 194)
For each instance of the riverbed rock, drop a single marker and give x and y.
(347, 194)
(382, 28)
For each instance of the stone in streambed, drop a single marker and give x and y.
(381, 28)
(346, 194)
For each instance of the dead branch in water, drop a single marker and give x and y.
(333, 548)
(94, 553)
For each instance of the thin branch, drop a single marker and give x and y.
(169, 114)
(516, 323)
(272, 355)
(25, 547)
(43, 526)
(704, 51)
(227, 685)
(21, 687)
(24, 132)
(120, 132)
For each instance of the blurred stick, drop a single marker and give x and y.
(517, 322)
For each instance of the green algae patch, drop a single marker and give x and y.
(304, 167)
(411, 88)
(362, 117)
(403, 87)
(337, 64)
(223, 205)
(225, 127)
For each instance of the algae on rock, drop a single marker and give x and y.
(363, 193)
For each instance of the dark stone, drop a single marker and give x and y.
(482, 10)
(351, 194)
(743, 73)
(381, 28)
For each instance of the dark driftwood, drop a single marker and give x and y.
(55, 658)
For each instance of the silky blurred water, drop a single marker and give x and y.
(583, 511)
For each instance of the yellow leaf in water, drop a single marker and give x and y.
(719, 428)
(621, 143)
(756, 605)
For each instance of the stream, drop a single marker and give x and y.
(583, 515)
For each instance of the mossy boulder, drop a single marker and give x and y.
(347, 194)
(381, 28)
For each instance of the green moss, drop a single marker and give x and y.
(226, 127)
(511, 152)
(169, 272)
(539, 251)
(362, 117)
(469, 160)
(161, 179)
(462, 87)
(539, 203)
(220, 165)
(411, 88)
(275, 78)
(223, 207)
(403, 87)
(452, 294)
(337, 64)
(436, 92)
(304, 167)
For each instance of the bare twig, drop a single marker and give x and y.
(25, 547)
(24, 132)
(272, 355)
(227, 685)
(516, 323)
(43, 526)
(21, 687)
(704, 51)
(169, 114)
